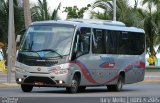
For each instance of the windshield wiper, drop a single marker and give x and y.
(26, 50)
(51, 50)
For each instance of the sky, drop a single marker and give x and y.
(79, 3)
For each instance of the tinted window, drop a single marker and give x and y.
(127, 43)
(98, 41)
(136, 43)
(117, 42)
(85, 34)
(112, 42)
(82, 42)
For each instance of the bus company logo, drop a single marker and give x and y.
(107, 62)
(107, 59)
(39, 69)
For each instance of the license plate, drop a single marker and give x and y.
(39, 83)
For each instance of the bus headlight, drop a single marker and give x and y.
(58, 70)
(20, 70)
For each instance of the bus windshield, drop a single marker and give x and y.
(47, 41)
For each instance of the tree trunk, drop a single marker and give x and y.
(27, 13)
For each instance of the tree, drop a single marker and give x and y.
(18, 17)
(40, 12)
(125, 13)
(27, 13)
(105, 5)
(99, 15)
(152, 26)
(75, 12)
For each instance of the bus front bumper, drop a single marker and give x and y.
(43, 80)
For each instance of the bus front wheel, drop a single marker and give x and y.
(118, 86)
(74, 86)
(26, 88)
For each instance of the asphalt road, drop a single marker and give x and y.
(91, 95)
(148, 88)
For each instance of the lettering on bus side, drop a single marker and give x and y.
(107, 59)
(107, 62)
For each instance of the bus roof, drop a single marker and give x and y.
(92, 23)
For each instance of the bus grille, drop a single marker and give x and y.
(36, 61)
(33, 79)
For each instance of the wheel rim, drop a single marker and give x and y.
(119, 84)
(74, 85)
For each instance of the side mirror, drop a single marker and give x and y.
(18, 38)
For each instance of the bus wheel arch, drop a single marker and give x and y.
(122, 74)
(78, 76)
(120, 81)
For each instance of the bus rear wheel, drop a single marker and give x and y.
(118, 86)
(74, 86)
(26, 88)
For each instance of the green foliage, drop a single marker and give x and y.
(152, 26)
(41, 11)
(18, 18)
(99, 15)
(3, 21)
(55, 12)
(125, 13)
(75, 12)
(107, 6)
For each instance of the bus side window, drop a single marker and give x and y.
(136, 48)
(111, 41)
(98, 41)
(82, 42)
(123, 43)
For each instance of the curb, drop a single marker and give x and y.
(151, 81)
(9, 85)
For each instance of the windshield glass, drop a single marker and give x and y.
(48, 41)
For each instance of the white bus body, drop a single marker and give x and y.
(77, 53)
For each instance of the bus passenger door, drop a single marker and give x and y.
(81, 53)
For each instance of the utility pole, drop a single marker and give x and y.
(10, 40)
(114, 10)
(27, 13)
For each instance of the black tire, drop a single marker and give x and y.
(118, 86)
(26, 88)
(74, 86)
(81, 89)
(110, 87)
